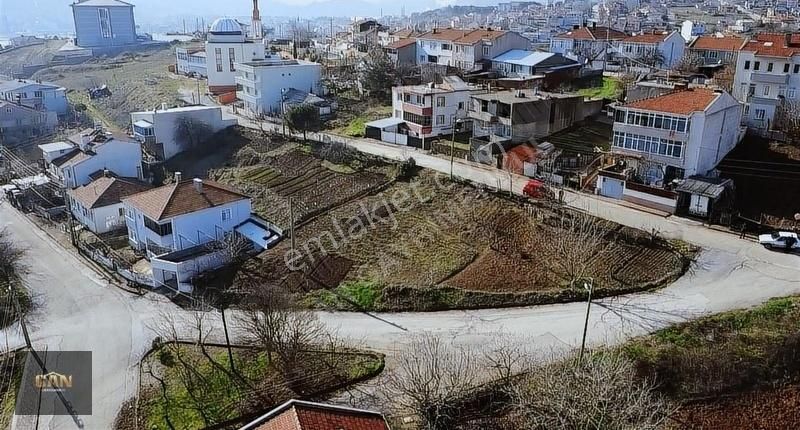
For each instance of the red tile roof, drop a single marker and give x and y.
(401, 43)
(596, 33)
(462, 36)
(106, 191)
(300, 415)
(681, 102)
(713, 43)
(177, 199)
(774, 45)
(648, 37)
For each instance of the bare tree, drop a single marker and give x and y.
(689, 63)
(12, 270)
(190, 133)
(787, 119)
(603, 392)
(651, 57)
(430, 378)
(571, 242)
(281, 328)
(724, 78)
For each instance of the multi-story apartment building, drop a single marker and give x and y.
(36, 95)
(717, 49)
(263, 84)
(592, 44)
(466, 49)
(673, 136)
(767, 73)
(639, 49)
(433, 109)
(191, 61)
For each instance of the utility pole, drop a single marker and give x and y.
(291, 222)
(227, 338)
(590, 288)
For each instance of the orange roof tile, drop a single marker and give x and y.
(401, 43)
(596, 33)
(462, 36)
(774, 45)
(106, 191)
(726, 43)
(648, 37)
(177, 199)
(681, 102)
(300, 415)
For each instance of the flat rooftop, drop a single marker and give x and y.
(511, 97)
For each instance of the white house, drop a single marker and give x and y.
(191, 61)
(591, 45)
(179, 224)
(98, 204)
(466, 49)
(36, 95)
(767, 73)
(425, 111)
(672, 137)
(93, 151)
(669, 44)
(263, 83)
(158, 130)
(226, 45)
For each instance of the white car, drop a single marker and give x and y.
(780, 240)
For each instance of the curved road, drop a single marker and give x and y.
(78, 310)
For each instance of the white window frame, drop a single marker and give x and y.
(760, 114)
(106, 31)
(227, 214)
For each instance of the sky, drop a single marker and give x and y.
(55, 15)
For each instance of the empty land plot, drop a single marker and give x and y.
(457, 238)
(279, 176)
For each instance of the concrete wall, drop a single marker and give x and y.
(243, 52)
(266, 82)
(87, 26)
(165, 122)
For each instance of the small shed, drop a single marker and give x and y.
(705, 197)
(389, 130)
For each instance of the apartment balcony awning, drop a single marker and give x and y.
(769, 78)
(143, 124)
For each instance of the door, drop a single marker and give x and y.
(698, 205)
(612, 187)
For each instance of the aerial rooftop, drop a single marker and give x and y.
(682, 102)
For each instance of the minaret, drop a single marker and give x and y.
(256, 29)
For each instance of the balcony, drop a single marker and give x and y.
(417, 109)
(769, 78)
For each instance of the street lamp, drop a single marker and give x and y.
(590, 288)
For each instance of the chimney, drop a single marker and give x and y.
(198, 185)
(163, 106)
(178, 177)
(106, 173)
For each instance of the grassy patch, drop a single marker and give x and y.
(723, 353)
(363, 294)
(199, 393)
(12, 366)
(610, 90)
(338, 168)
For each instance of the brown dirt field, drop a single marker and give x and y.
(777, 409)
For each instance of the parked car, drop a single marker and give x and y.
(537, 190)
(780, 240)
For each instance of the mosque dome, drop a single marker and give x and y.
(226, 26)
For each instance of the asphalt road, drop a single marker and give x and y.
(78, 310)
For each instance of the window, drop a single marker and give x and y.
(766, 90)
(769, 67)
(781, 91)
(756, 65)
(218, 55)
(399, 97)
(460, 105)
(433, 59)
(791, 93)
(486, 50)
(797, 68)
(751, 91)
(440, 101)
(786, 68)
(121, 211)
(424, 121)
(159, 229)
(712, 54)
(231, 58)
(105, 23)
(439, 119)
(422, 58)
(227, 214)
(760, 114)
(648, 144)
(129, 213)
(37, 94)
(446, 47)
(746, 110)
